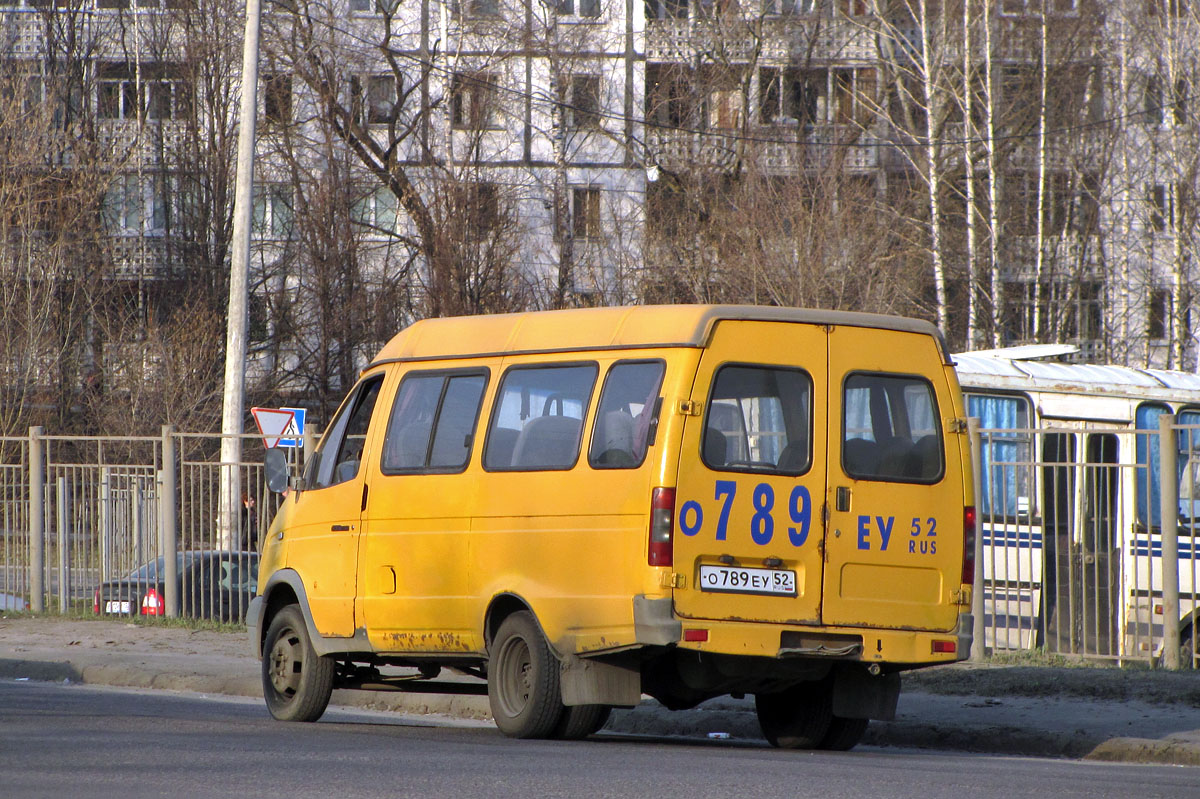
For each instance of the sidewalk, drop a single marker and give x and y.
(1097, 713)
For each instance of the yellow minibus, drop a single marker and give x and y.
(575, 508)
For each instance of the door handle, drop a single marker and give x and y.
(342, 528)
(842, 499)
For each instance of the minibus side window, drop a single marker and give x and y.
(758, 419)
(341, 452)
(432, 422)
(1005, 454)
(627, 415)
(537, 423)
(889, 429)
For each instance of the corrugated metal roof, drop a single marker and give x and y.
(980, 370)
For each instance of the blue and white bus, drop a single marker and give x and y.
(1069, 503)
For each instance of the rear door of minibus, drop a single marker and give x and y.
(896, 493)
(752, 476)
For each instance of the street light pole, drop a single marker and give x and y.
(233, 407)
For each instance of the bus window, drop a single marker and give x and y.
(1005, 460)
(759, 419)
(538, 420)
(1149, 506)
(888, 429)
(1189, 468)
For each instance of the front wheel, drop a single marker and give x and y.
(297, 683)
(523, 680)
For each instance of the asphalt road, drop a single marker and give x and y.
(81, 741)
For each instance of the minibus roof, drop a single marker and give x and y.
(628, 327)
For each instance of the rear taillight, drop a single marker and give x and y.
(662, 527)
(96, 602)
(968, 569)
(152, 603)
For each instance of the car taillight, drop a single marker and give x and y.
(152, 603)
(96, 602)
(968, 569)
(662, 526)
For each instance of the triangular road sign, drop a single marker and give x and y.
(273, 423)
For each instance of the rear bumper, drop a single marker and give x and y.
(878, 645)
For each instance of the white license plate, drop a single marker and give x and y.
(737, 580)
(116, 607)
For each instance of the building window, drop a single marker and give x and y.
(277, 99)
(788, 95)
(666, 9)
(1166, 202)
(472, 100)
(274, 212)
(580, 8)
(375, 212)
(1164, 8)
(585, 212)
(160, 92)
(1163, 106)
(136, 205)
(583, 103)
(1158, 314)
(477, 203)
(370, 6)
(670, 102)
(474, 9)
(373, 98)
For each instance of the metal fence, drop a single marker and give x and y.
(111, 510)
(1086, 540)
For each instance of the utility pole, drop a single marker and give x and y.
(233, 408)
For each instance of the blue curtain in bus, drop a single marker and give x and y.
(998, 481)
(1149, 486)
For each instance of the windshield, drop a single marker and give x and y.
(149, 572)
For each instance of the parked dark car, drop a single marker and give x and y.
(212, 585)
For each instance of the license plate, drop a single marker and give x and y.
(737, 580)
(116, 607)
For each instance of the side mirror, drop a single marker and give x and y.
(275, 464)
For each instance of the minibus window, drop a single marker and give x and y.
(626, 416)
(537, 423)
(758, 419)
(432, 421)
(889, 429)
(341, 452)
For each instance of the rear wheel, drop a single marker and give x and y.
(580, 721)
(523, 686)
(797, 718)
(843, 734)
(297, 683)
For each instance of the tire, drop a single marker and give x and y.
(523, 687)
(297, 683)
(797, 718)
(843, 734)
(579, 721)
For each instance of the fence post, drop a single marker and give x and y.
(37, 522)
(977, 628)
(62, 504)
(1169, 516)
(169, 532)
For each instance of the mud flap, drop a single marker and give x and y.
(590, 682)
(858, 695)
